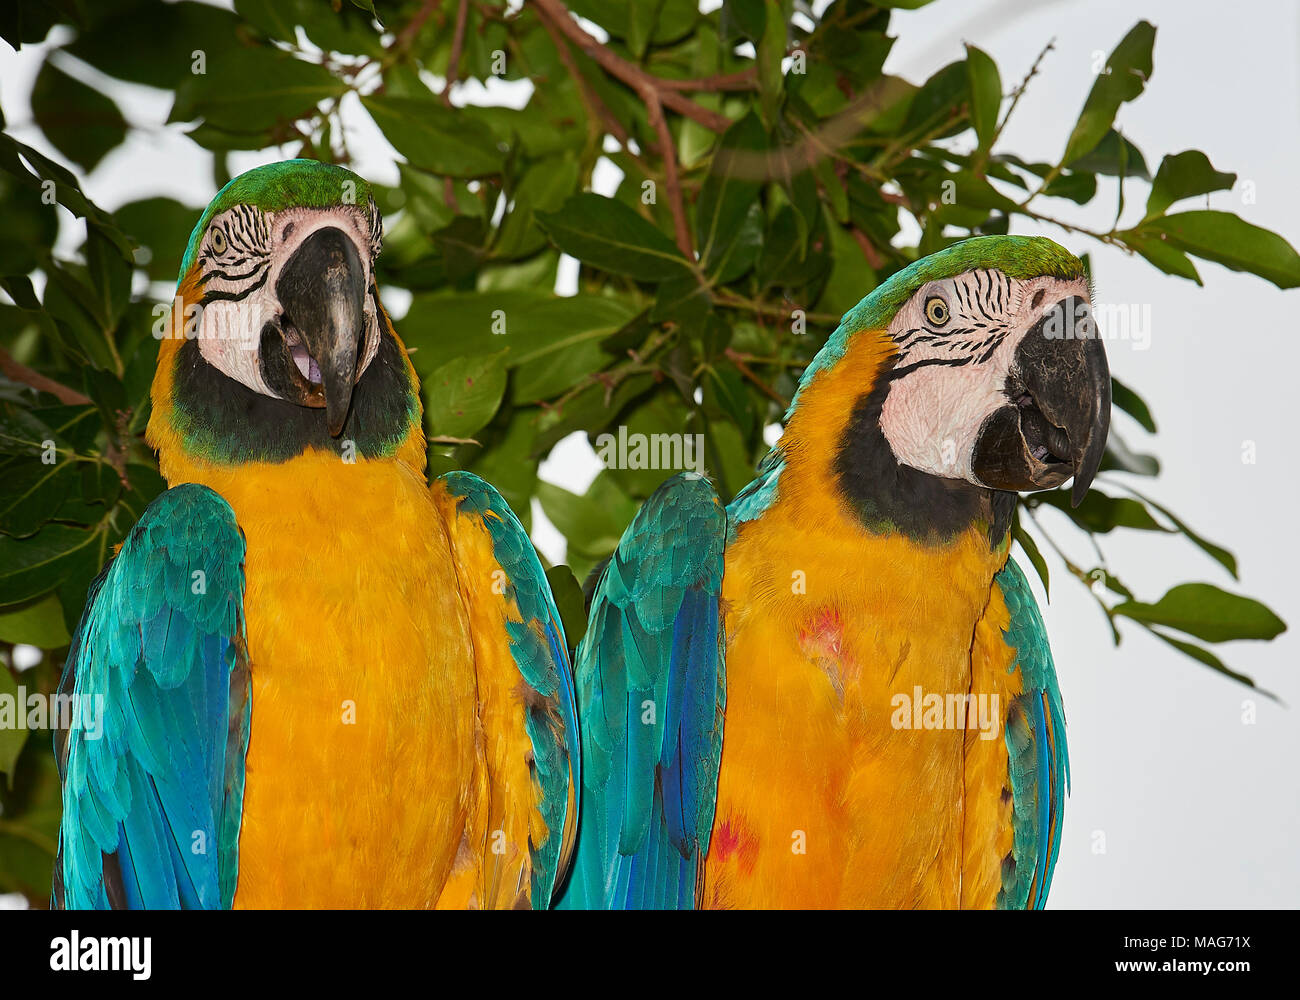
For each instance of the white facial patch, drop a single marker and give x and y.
(243, 252)
(957, 339)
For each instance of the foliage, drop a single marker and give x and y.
(769, 169)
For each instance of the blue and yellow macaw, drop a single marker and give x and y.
(325, 683)
(894, 735)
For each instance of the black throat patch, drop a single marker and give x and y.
(887, 496)
(224, 421)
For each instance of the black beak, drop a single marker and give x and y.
(321, 331)
(1058, 415)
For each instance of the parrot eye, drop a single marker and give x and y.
(218, 241)
(936, 311)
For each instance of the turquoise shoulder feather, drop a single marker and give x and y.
(541, 653)
(1038, 764)
(651, 694)
(153, 763)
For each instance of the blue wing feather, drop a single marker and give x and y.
(1038, 763)
(153, 796)
(544, 666)
(651, 692)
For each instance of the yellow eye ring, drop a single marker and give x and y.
(218, 241)
(936, 311)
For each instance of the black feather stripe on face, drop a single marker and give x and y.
(245, 259)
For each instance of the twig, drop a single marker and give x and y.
(748, 372)
(672, 183)
(457, 46)
(868, 251)
(634, 76)
(1020, 90)
(594, 104)
(19, 372)
(746, 79)
(650, 91)
(406, 36)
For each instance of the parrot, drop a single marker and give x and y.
(836, 691)
(325, 682)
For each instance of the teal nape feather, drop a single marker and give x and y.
(1038, 762)
(1019, 257)
(277, 186)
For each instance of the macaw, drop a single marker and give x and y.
(325, 682)
(894, 734)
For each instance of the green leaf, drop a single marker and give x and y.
(542, 189)
(12, 736)
(32, 566)
(985, 94)
(1114, 156)
(286, 89)
(435, 137)
(1126, 399)
(35, 623)
(1185, 175)
(749, 16)
(162, 225)
(1119, 457)
(1225, 239)
(591, 526)
(569, 603)
(726, 195)
(1216, 552)
(1203, 655)
(29, 824)
(369, 7)
(1126, 74)
(45, 175)
(1162, 254)
(609, 236)
(80, 122)
(175, 33)
(1101, 514)
(771, 50)
(34, 490)
(1030, 547)
(938, 101)
(1208, 613)
(553, 342)
(464, 393)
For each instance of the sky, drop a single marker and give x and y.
(1184, 787)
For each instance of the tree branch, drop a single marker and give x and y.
(19, 372)
(457, 46)
(594, 104)
(634, 76)
(672, 183)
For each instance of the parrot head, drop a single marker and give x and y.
(978, 365)
(286, 344)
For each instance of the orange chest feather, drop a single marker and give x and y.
(829, 795)
(363, 740)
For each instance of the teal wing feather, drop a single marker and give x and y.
(651, 694)
(541, 653)
(1038, 764)
(153, 763)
